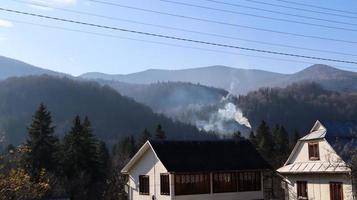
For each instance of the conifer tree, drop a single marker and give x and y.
(73, 156)
(283, 141)
(83, 164)
(265, 139)
(160, 134)
(253, 139)
(145, 136)
(42, 144)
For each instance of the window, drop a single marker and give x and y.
(301, 190)
(165, 184)
(144, 185)
(249, 181)
(193, 183)
(336, 191)
(314, 151)
(224, 182)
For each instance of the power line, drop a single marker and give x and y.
(258, 16)
(301, 9)
(160, 43)
(281, 13)
(175, 38)
(223, 23)
(186, 30)
(167, 44)
(319, 7)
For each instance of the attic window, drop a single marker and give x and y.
(314, 151)
(144, 185)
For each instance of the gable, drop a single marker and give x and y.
(143, 160)
(327, 153)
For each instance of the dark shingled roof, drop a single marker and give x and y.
(203, 156)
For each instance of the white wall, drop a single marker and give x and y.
(147, 165)
(327, 154)
(318, 185)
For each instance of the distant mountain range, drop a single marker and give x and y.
(196, 96)
(237, 81)
(241, 81)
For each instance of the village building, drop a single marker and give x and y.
(319, 166)
(197, 170)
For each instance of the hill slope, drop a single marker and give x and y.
(15, 68)
(298, 106)
(112, 115)
(242, 81)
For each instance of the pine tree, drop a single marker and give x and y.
(283, 141)
(253, 139)
(90, 147)
(265, 140)
(145, 136)
(42, 144)
(160, 134)
(83, 162)
(73, 156)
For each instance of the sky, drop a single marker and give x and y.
(45, 43)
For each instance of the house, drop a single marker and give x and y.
(196, 170)
(318, 167)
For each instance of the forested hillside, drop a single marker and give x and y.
(112, 114)
(298, 106)
(169, 97)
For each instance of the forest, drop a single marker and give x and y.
(113, 115)
(298, 106)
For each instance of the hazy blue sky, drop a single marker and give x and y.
(76, 53)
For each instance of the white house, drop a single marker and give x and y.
(317, 168)
(196, 170)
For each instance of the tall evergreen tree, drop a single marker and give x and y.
(253, 139)
(265, 139)
(283, 141)
(160, 133)
(145, 136)
(82, 162)
(42, 144)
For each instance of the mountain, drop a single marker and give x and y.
(298, 106)
(15, 68)
(330, 78)
(230, 79)
(242, 81)
(112, 114)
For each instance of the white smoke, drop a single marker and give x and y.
(228, 118)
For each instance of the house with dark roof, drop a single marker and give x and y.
(319, 166)
(196, 170)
